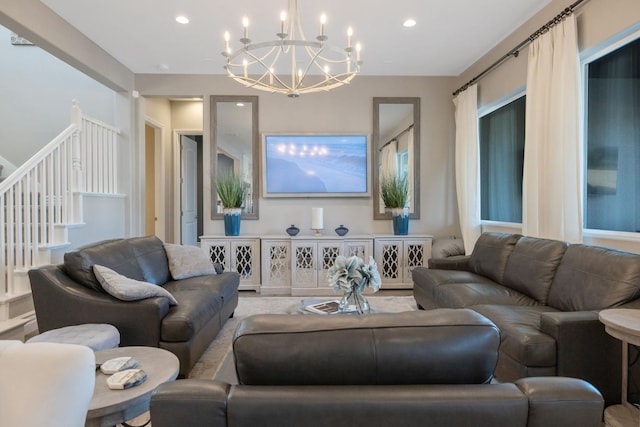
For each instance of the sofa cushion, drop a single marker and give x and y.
(428, 280)
(594, 278)
(490, 254)
(532, 265)
(195, 308)
(126, 289)
(152, 259)
(225, 284)
(482, 291)
(520, 335)
(445, 247)
(439, 346)
(187, 261)
(115, 254)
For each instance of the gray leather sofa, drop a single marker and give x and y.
(69, 294)
(406, 369)
(544, 296)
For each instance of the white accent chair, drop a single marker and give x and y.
(45, 384)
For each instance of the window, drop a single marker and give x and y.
(403, 163)
(612, 199)
(501, 161)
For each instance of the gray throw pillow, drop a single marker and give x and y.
(127, 289)
(187, 261)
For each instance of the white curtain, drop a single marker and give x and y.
(467, 166)
(388, 166)
(389, 163)
(552, 181)
(410, 173)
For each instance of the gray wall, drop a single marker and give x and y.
(597, 20)
(347, 109)
(36, 98)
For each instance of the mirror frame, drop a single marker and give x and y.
(255, 151)
(377, 101)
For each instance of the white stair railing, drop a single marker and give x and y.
(43, 194)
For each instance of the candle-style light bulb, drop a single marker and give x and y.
(245, 26)
(283, 19)
(227, 37)
(349, 35)
(299, 75)
(358, 49)
(245, 65)
(270, 76)
(326, 72)
(323, 20)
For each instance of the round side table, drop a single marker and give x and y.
(110, 407)
(624, 324)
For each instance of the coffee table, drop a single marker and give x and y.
(110, 407)
(373, 304)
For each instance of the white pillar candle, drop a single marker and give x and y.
(316, 219)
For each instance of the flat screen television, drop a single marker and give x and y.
(315, 165)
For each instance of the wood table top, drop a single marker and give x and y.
(622, 323)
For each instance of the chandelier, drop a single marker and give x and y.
(291, 64)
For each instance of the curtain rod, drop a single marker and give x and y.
(516, 50)
(395, 138)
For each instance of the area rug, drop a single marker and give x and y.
(212, 363)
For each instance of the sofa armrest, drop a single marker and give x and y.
(450, 263)
(584, 350)
(60, 301)
(190, 403)
(561, 401)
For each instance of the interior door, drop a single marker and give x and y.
(188, 191)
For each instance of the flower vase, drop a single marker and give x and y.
(232, 221)
(400, 217)
(354, 300)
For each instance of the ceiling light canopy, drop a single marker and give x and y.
(182, 19)
(291, 64)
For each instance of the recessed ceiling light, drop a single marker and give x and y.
(409, 23)
(182, 19)
(240, 104)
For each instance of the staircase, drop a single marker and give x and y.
(41, 201)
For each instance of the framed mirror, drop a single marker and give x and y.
(396, 149)
(235, 148)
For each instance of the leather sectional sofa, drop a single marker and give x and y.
(544, 296)
(408, 369)
(70, 294)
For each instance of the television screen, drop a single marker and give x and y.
(315, 165)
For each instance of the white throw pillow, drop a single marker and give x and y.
(187, 261)
(127, 289)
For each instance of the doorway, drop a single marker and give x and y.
(191, 161)
(154, 196)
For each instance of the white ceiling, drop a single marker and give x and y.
(450, 35)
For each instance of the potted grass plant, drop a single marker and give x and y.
(232, 192)
(395, 195)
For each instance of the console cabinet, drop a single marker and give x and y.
(397, 256)
(240, 254)
(279, 265)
